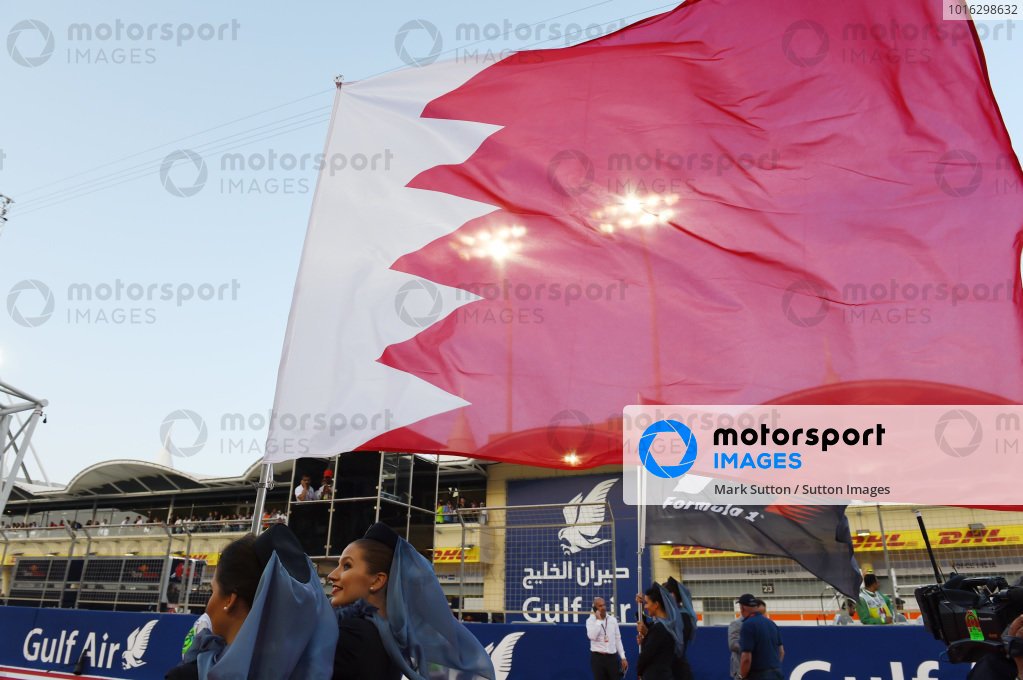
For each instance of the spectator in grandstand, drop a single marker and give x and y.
(845, 617)
(759, 642)
(607, 655)
(326, 490)
(304, 491)
(440, 513)
(874, 607)
(393, 618)
(267, 614)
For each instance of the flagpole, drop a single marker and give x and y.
(640, 531)
(266, 477)
(887, 564)
(654, 334)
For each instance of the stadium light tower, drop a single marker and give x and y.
(15, 435)
(15, 441)
(4, 202)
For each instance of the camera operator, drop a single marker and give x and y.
(999, 666)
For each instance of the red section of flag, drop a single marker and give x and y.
(726, 203)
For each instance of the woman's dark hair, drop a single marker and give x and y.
(377, 555)
(239, 569)
(654, 593)
(672, 586)
(869, 580)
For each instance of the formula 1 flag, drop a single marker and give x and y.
(725, 203)
(815, 536)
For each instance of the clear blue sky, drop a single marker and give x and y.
(83, 136)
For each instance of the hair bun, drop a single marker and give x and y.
(382, 533)
(279, 538)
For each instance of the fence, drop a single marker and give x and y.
(886, 540)
(152, 567)
(545, 563)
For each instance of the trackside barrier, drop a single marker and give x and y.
(41, 640)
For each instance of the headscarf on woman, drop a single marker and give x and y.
(419, 633)
(673, 621)
(290, 630)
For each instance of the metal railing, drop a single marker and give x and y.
(131, 566)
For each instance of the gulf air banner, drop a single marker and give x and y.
(557, 559)
(723, 459)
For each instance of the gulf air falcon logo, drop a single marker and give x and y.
(585, 521)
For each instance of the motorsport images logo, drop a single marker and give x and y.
(691, 456)
(646, 444)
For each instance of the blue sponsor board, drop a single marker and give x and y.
(566, 567)
(561, 652)
(116, 644)
(38, 643)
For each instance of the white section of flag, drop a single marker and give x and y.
(332, 395)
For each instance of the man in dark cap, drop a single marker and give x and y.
(759, 643)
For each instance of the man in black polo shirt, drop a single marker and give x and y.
(760, 642)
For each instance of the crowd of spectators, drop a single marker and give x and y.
(448, 511)
(212, 522)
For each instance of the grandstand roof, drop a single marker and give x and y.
(127, 478)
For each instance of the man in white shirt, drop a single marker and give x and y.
(607, 655)
(305, 492)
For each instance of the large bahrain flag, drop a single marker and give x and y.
(726, 203)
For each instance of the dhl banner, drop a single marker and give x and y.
(1011, 534)
(454, 555)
